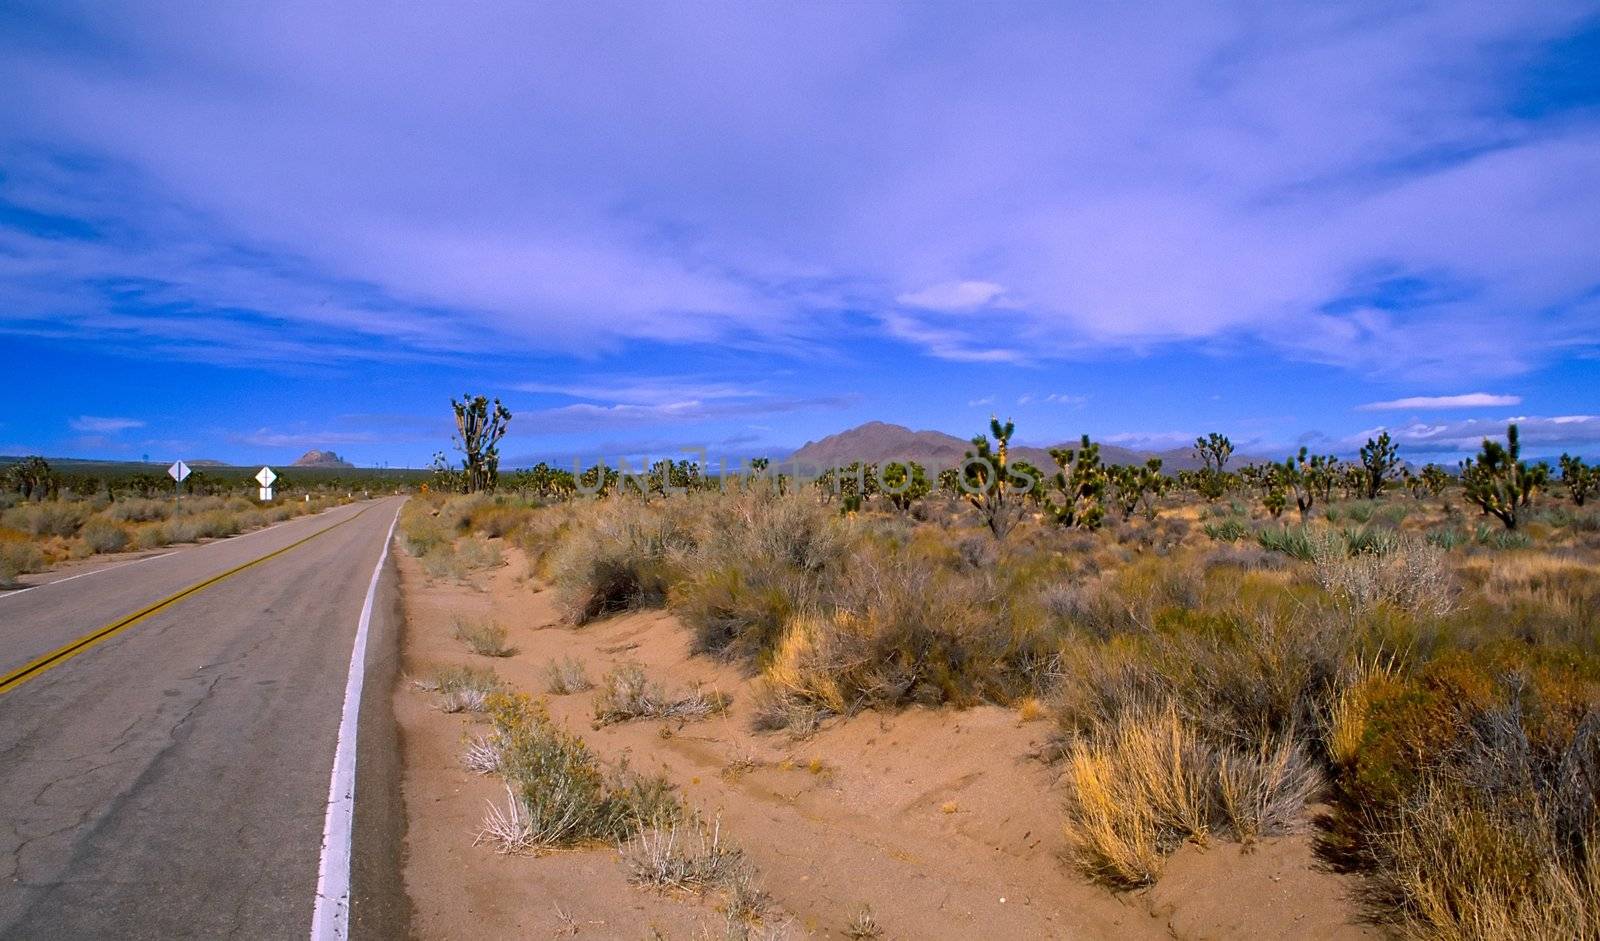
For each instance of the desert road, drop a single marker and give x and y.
(172, 778)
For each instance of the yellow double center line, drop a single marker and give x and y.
(62, 654)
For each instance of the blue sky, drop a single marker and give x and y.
(239, 231)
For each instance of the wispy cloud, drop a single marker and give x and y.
(95, 425)
(1053, 398)
(1558, 432)
(1429, 402)
(589, 416)
(642, 390)
(269, 438)
(1152, 440)
(953, 295)
(201, 181)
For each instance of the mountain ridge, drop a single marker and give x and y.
(876, 442)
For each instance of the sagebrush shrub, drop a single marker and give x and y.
(621, 559)
(557, 793)
(102, 535)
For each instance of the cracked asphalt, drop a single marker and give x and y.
(172, 781)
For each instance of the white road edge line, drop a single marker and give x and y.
(331, 918)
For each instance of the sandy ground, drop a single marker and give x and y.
(938, 821)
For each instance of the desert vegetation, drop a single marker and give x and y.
(47, 517)
(1408, 671)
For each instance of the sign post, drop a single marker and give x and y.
(179, 472)
(265, 479)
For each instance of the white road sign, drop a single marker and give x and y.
(178, 471)
(266, 477)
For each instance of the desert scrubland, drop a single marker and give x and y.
(769, 708)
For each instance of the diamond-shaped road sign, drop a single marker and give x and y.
(178, 471)
(266, 477)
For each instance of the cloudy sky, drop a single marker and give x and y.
(242, 230)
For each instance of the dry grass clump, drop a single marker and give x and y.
(863, 925)
(484, 638)
(565, 676)
(1140, 788)
(18, 557)
(556, 792)
(620, 560)
(498, 519)
(903, 627)
(757, 559)
(103, 535)
(461, 689)
(1400, 570)
(685, 854)
(1468, 793)
(49, 518)
(625, 693)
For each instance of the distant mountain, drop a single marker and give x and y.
(877, 442)
(315, 458)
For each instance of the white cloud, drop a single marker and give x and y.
(90, 424)
(1152, 440)
(1548, 433)
(1214, 174)
(268, 438)
(953, 295)
(641, 390)
(1421, 402)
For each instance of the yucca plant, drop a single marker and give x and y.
(1498, 480)
(1580, 478)
(1379, 458)
(1079, 486)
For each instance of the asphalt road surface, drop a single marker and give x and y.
(172, 780)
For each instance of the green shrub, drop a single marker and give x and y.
(1292, 541)
(1231, 529)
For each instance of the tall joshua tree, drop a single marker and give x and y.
(1498, 480)
(1378, 460)
(478, 432)
(1213, 451)
(988, 482)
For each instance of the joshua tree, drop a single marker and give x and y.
(904, 484)
(1435, 478)
(1080, 483)
(478, 433)
(32, 477)
(1213, 451)
(1499, 481)
(1581, 479)
(1303, 476)
(1378, 460)
(1133, 487)
(986, 480)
